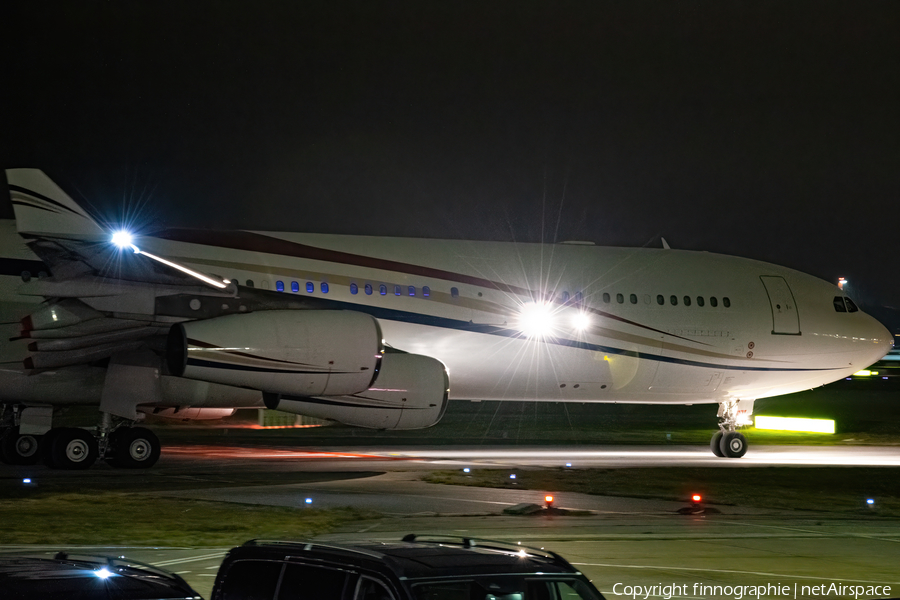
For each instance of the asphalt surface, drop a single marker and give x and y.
(626, 541)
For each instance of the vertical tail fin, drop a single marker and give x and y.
(42, 208)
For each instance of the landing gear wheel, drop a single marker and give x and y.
(73, 448)
(20, 449)
(733, 445)
(134, 448)
(715, 444)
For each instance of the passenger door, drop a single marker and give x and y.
(785, 320)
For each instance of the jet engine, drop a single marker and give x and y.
(295, 352)
(410, 393)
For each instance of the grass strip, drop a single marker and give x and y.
(136, 520)
(829, 489)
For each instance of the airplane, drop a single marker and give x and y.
(382, 332)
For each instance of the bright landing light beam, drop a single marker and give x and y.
(123, 239)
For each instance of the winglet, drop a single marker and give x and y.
(42, 208)
(665, 244)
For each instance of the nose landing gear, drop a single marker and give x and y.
(727, 442)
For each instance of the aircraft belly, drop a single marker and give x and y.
(74, 385)
(499, 367)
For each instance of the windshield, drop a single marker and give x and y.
(506, 588)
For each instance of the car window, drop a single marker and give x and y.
(370, 589)
(305, 582)
(505, 588)
(250, 580)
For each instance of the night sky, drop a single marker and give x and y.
(762, 129)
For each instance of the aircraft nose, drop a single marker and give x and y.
(882, 339)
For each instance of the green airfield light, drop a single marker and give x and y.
(795, 424)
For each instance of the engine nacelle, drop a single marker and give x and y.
(187, 414)
(410, 393)
(290, 352)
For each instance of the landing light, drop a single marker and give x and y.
(581, 321)
(536, 320)
(103, 573)
(795, 424)
(123, 239)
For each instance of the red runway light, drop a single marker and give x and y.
(548, 499)
(696, 498)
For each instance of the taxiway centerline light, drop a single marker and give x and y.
(795, 424)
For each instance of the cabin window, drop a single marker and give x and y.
(633, 298)
(687, 300)
(324, 287)
(673, 300)
(713, 301)
(851, 307)
(660, 299)
(565, 296)
(726, 302)
(382, 289)
(354, 289)
(368, 289)
(426, 291)
(620, 298)
(397, 291)
(579, 298)
(310, 288)
(606, 297)
(249, 283)
(279, 286)
(412, 290)
(295, 287)
(700, 301)
(454, 292)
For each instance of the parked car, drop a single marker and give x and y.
(87, 577)
(416, 568)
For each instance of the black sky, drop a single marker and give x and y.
(762, 129)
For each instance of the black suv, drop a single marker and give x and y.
(416, 568)
(83, 577)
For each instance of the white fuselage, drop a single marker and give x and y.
(629, 348)
(619, 328)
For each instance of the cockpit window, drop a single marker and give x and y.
(839, 304)
(851, 307)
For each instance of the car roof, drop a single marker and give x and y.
(418, 557)
(36, 576)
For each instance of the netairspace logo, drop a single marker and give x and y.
(742, 592)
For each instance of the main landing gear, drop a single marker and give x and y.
(727, 442)
(73, 448)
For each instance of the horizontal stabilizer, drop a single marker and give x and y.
(42, 208)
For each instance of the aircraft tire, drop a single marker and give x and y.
(733, 445)
(715, 444)
(73, 449)
(46, 448)
(18, 449)
(134, 448)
